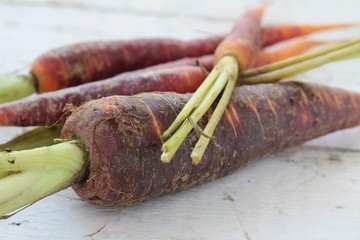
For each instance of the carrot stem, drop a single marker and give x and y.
(294, 60)
(208, 132)
(348, 52)
(170, 147)
(194, 100)
(30, 175)
(228, 68)
(15, 87)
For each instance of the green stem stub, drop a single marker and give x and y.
(16, 87)
(30, 175)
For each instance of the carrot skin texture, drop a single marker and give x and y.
(87, 62)
(123, 137)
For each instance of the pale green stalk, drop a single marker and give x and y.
(228, 68)
(293, 70)
(15, 87)
(170, 147)
(208, 132)
(194, 100)
(37, 173)
(297, 59)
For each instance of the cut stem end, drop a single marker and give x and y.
(16, 87)
(30, 175)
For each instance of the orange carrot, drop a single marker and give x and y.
(244, 41)
(271, 35)
(267, 56)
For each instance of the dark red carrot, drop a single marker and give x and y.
(249, 129)
(236, 53)
(86, 62)
(111, 154)
(92, 61)
(47, 108)
(82, 63)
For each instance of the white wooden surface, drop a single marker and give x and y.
(308, 192)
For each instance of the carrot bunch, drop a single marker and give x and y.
(126, 133)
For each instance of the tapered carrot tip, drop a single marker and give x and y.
(274, 34)
(291, 50)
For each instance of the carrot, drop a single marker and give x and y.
(91, 61)
(236, 53)
(111, 150)
(106, 59)
(294, 49)
(272, 35)
(46, 108)
(264, 57)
